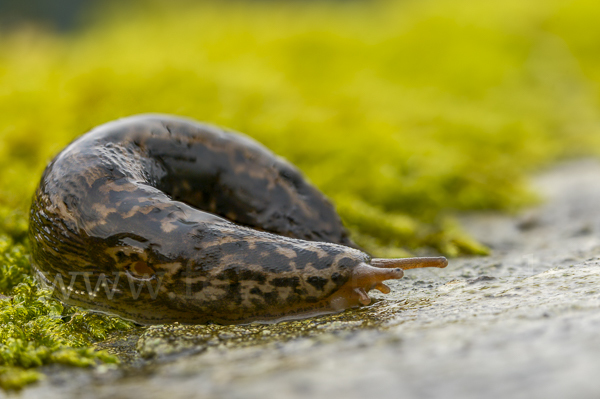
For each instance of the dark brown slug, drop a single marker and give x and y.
(161, 219)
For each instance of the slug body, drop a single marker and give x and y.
(161, 219)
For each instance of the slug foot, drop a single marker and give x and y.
(366, 277)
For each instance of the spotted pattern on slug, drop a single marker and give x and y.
(160, 219)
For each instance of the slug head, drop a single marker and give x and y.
(366, 277)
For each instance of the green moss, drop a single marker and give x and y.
(402, 112)
(15, 378)
(36, 329)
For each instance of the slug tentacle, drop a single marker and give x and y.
(162, 219)
(410, 263)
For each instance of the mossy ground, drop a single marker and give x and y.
(36, 329)
(403, 112)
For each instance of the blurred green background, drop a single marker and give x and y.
(403, 112)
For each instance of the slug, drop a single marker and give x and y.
(160, 219)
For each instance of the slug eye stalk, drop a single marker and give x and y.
(410, 263)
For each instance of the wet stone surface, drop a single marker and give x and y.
(521, 323)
